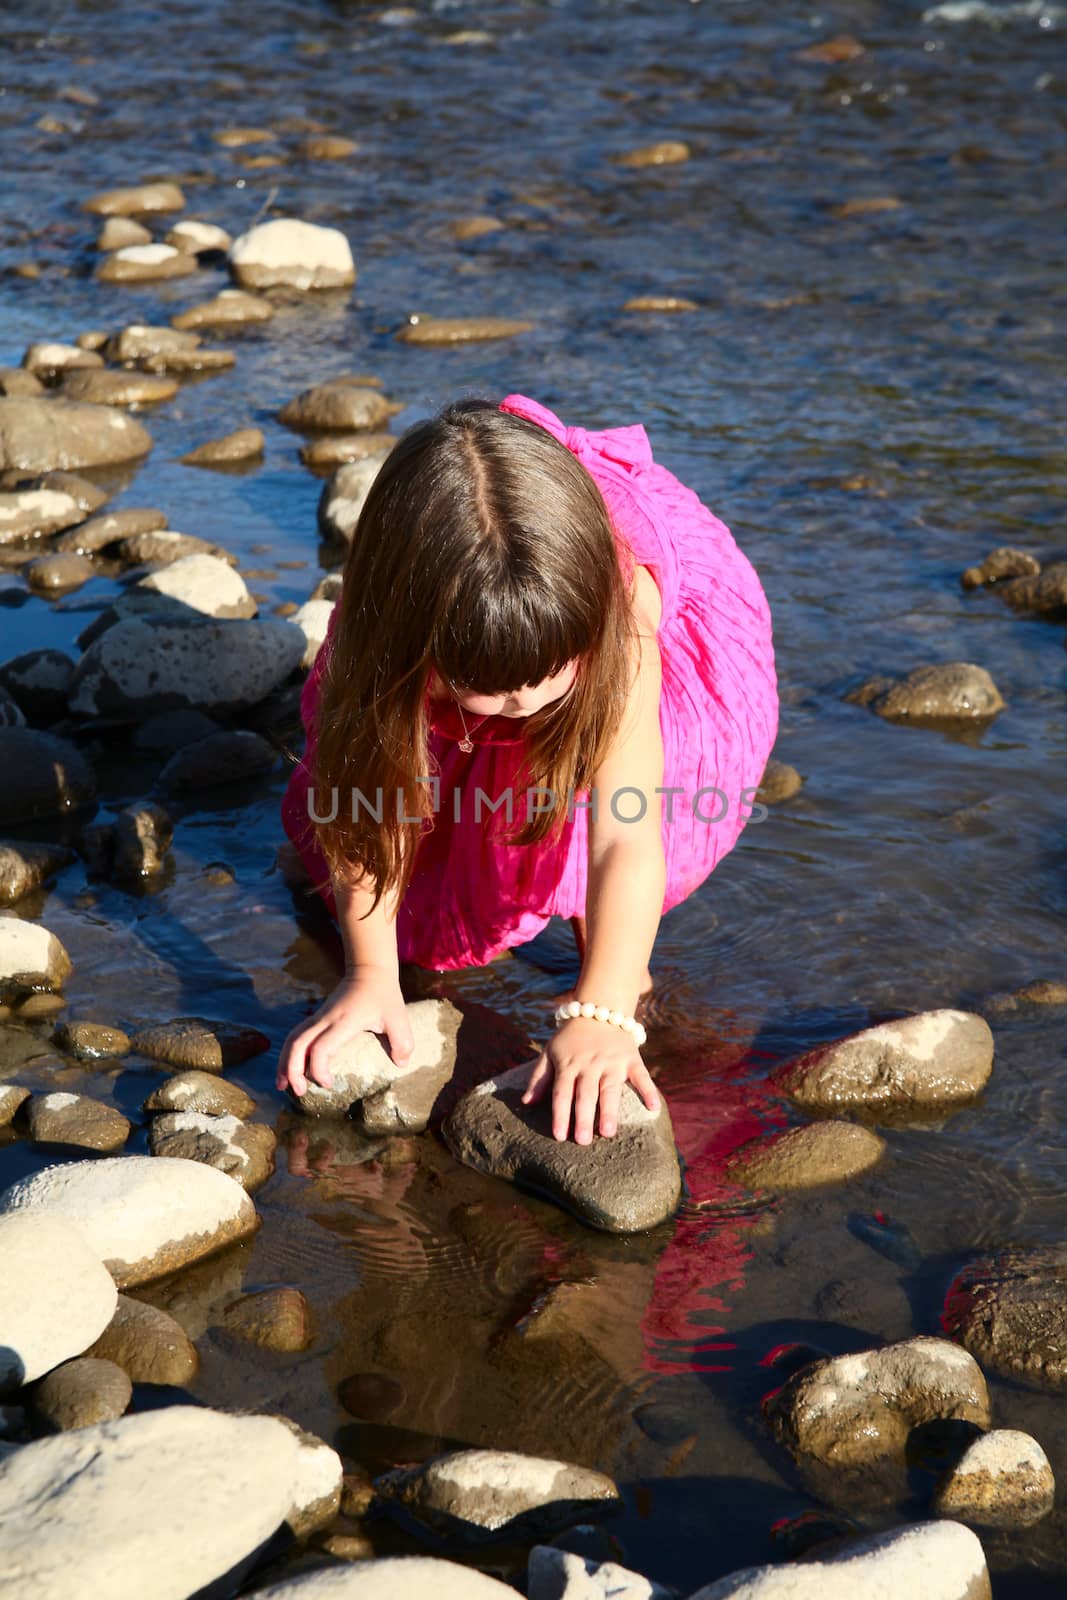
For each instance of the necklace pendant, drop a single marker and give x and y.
(466, 745)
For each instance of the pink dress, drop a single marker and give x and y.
(472, 896)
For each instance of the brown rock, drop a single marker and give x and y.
(141, 838)
(145, 263)
(17, 383)
(118, 388)
(460, 330)
(666, 152)
(1004, 562)
(336, 449)
(142, 339)
(91, 1041)
(147, 1344)
(196, 1042)
(341, 405)
(243, 445)
(804, 1158)
(780, 782)
(866, 207)
(474, 227)
(243, 1150)
(141, 200)
(953, 692)
(200, 1091)
(842, 47)
(936, 1058)
(60, 571)
(45, 776)
(43, 434)
(237, 138)
(231, 308)
(328, 147)
(26, 866)
(81, 1392)
(1044, 594)
(164, 546)
(1002, 1480)
(1009, 1309)
(273, 1319)
(76, 1119)
(660, 302)
(119, 232)
(99, 532)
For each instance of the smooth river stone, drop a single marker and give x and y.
(34, 513)
(142, 339)
(145, 263)
(231, 308)
(24, 867)
(91, 1041)
(198, 238)
(118, 232)
(200, 1091)
(30, 958)
(951, 692)
(198, 1042)
(1045, 594)
(204, 584)
(221, 758)
(76, 1119)
(43, 435)
(80, 1393)
(481, 1495)
(298, 255)
(148, 1344)
(851, 1412)
(244, 444)
(142, 1217)
(142, 666)
(391, 1578)
(136, 201)
(45, 776)
(243, 1150)
(460, 330)
(113, 526)
(621, 1184)
(47, 361)
(1002, 1480)
(117, 1504)
(340, 405)
(39, 680)
(363, 1066)
(935, 1058)
(118, 388)
(58, 1296)
(273, 1319)
(928, 1560)
(803, 1158)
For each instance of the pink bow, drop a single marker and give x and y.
(629, 447)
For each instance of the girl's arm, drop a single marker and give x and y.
(368, 998)
(627, 878)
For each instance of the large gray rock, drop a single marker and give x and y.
(143, 1218)
(30, 958)
(363, 1067)
(162, 1504)
(850, 1416)
(44, 776)
(622, 1184)
(391, 1578)
(1002, 1480)
(926, 1560)
(936, 1058)
(1009, 1309)
(58, 1296)
(481, 1495)
(143, 665)
(298, 255)
(38, 435)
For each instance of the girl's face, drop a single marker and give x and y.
(519, 703)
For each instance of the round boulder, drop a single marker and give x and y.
(293, 254)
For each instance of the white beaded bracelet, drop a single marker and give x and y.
(586, 1008)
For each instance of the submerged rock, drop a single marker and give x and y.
(660, 302)
(930, 1560)
(623, 1184)
(664, 153)
(144, 665)
(245, 444)
(779, 782)
(344, 496)
(243, 1150)
(363, 1067)
(81, 1392)
(1002, 1480)
(137, 201)
(142, 835)
(143, 1218)
(956, 691)
(199, 1043)
(76, 1119)
(40, 435)
(1009, 1309)
(58, 1296)
(231, 308)
(141, 340)
(298, 255)
(340, 405)
(1043, 595)
(30, 958)
(851, 1415)
(460, 330)
(936, 1058)
(481, 1495)
(227, 1478)
(273, 1319)
(24, 867)
(1004, 562)
(148, 1344)
(803, 1158)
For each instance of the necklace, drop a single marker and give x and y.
(466, 744)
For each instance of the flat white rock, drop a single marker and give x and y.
(58, 1297)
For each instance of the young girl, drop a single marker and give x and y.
(548, 688)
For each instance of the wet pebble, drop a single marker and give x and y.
(48, 361)
(866, 206)
(424, 330)
(371, 1397)
(1041, 992)
(344, 496)
(162, 548)
(664, 153)
(622, 1184)
(1002, 1480)
(91, 1041)
(118, 233)
(139, 200)
(31, 957)
(195, 1090)
(204, 584)
(1004, 562)
(231, 308)
(113, 526)
(39, 681)
(208, 1046)
(327, 147)
(43, 434)
(58, 1296)
(243, 1150)
(16, 383)
(142, 666)
(936, 1058)
(804, 1158)
(338, 405)
(142, 1217)
(273, 1319)
(148, 1344)
(660, 302)
(32, 513)
(80, 1393)
(245, 444)
(118, 388)
(223, 757)
(934, 1560)
(58, 573)
(337, 449)
(780, 782)
(298, 255)
(198, 238)
(145, 263)
(140, 340)
(12, 1097)
(956, 691)
(476, 227)
(75, 1119)
(237, 138)
(842, 47)
(480, 1495)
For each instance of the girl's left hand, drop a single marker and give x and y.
(590, 1062)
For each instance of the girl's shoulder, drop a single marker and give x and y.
(647, 600)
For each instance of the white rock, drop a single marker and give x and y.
(482, 1494)
(391, 1578)
(344, 496)
(205, 584)
(157, 1504)
(554, 1574)
(45, 359)
(34, 512)
(298, 254)
(58, 1297)
(313, 619)
(1002, 1480)
(142, 1217)
(197, 237)
(926, 1560)
(30, 957)
(316, 1488)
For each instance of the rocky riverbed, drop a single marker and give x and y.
(801, 1333)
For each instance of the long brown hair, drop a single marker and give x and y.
(484, 549)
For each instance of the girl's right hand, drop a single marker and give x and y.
(366, 1000)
